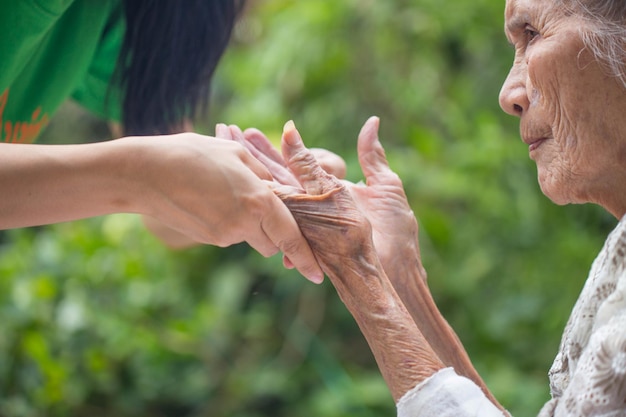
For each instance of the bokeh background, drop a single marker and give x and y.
(99, 319)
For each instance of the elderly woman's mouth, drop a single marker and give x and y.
(534, 143)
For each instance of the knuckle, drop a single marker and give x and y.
(290, 246)
(392, 178)
(302, 157)
(270, 252)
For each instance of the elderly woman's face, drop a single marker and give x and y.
(572, 111)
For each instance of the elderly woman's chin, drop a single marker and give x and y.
(566, 189)
(558, 188)
(550, 190)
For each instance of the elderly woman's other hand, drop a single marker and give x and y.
(383, 201)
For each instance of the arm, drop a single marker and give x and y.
(208, 189)
(396, 240)
(340, 236)
(44, 184)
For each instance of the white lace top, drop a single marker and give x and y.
(588, 376)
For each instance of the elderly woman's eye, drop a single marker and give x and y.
(530, 33)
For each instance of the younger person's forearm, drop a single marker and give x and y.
(44, 184)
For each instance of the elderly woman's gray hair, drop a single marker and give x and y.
(607, 38)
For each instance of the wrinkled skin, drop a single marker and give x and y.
(382, 201)
(341, 238)
(349, 228)
(571, 107)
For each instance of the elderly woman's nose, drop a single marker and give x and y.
(513, 96)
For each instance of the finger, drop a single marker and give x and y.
(330, 162)
(257, 167)
(284, 190)
(287, 263)
(263, 144)
(228, 133)
(262, 244)
(278, 170)
(237, 136)
(265, 151)
(371, 153)
(222, 131)
(303, 164)
(281, 228)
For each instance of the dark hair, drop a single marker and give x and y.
(169, 54)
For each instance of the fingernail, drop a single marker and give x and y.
(290, 133)
(222, 132)
(316, 278)
(289, 126)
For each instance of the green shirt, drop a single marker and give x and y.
(51, 50)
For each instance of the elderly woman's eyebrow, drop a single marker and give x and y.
(515, 23)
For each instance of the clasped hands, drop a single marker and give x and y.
(360, 235)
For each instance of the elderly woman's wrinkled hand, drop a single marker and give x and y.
(383, 201)
(341, 237)
(323, 207)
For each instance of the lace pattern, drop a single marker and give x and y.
(588, 377)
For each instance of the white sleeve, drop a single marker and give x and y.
(446, 394)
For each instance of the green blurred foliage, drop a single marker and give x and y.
(98, 318)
